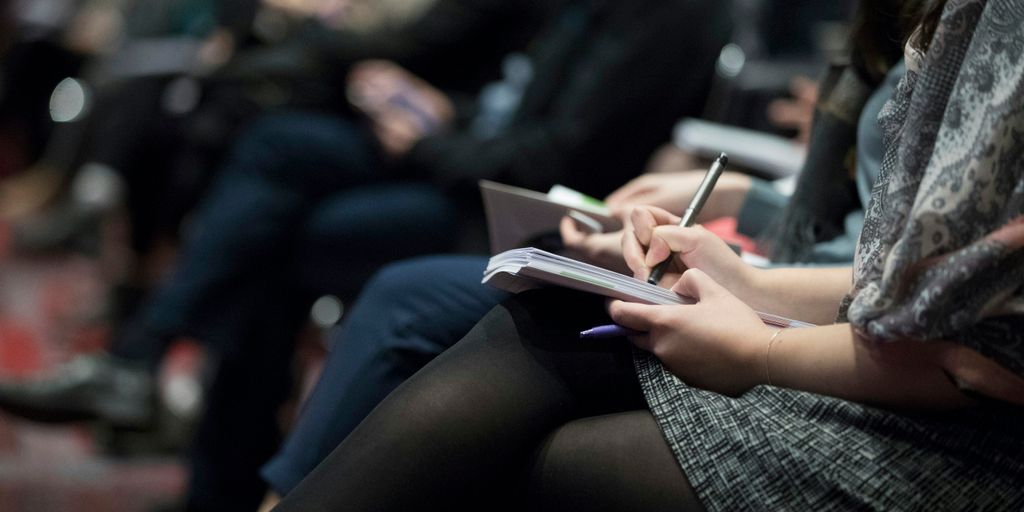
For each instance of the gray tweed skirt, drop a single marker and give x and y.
(779, 449)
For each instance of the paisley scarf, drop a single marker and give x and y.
(941, 256)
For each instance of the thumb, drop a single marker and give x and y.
(639, 317)
(698, 285)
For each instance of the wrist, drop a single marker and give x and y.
(751, 285)
(774, 339)
(757, 358)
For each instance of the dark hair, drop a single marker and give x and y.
(879, 30)
(926, 17)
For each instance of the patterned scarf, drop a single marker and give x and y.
(941, 256)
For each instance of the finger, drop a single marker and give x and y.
(571, 234)
(698, 285)
(658, 250)
(639, 317)
(786, 113)
(804, 89)
(668, 239)
(634, 254)
(646, 218)
(395, 136)
(389, 143)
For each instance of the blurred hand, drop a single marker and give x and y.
(796, 113)
(601, 249)
(401, 107)
(670, 158)
(653, 235)
(673, 191)
(716, 344)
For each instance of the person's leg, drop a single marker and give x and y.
(337, 246)
(407, 314)
(352, 233)
(456, 432)
(244, 234)
(613, 462)
(249, 378)
(281, 167)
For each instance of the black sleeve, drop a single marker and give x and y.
(456, 44)
(623, 91)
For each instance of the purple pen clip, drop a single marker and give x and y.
(608, 331)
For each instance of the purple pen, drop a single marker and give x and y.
(608, 331)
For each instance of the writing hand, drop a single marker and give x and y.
(653, 235)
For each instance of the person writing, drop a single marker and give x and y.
(910, 400)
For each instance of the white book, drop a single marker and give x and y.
(524, 269)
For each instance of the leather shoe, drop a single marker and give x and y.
(89, 387)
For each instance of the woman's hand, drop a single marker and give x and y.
(653, 235)
(718, 344)
(601, 249)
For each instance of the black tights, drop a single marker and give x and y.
(520, 414)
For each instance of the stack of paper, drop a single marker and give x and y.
(524, 269)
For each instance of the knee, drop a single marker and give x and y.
(423, 305)
(397, 282)
(396, 304)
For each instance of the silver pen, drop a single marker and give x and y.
(690, 215)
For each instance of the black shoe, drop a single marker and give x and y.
(90, 387)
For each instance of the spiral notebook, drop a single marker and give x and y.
(518, 270)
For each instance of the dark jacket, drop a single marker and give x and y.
(610, 80)
(456, 45)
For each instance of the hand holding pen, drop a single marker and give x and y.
(694, 208)
(640, 248)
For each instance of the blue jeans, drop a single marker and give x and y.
(408, 313)
(302, 208)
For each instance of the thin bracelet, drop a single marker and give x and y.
(768, 355)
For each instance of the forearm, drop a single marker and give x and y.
(829, 360)
(808, 294)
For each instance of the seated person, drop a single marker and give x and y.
(918, 385)
(412, 311)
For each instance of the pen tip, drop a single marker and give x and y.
(724, 158)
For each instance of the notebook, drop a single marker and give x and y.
(518, 270)
(515, 216)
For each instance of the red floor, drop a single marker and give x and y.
(50, 308)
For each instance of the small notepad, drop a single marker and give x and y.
(518, 270)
